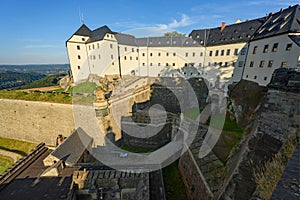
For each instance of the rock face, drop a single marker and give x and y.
(245, 98)
(275, 127)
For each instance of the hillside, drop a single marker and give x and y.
(10, 79)
(50, 80)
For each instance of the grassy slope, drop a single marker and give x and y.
(50, 80)
(5, 162)
(174, 186)
(35, 96)
(16, 146)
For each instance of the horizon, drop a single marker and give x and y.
(36, 32)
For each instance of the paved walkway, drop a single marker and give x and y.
(13, 155)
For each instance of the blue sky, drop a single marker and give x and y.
(35, 31)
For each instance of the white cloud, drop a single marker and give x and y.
(184, 21)
(160, 29)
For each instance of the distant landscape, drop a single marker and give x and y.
(30, 76)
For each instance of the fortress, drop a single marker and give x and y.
(249, 50)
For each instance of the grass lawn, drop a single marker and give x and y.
(5, 162)
(174, 186)
(86, 87)
(16, 146)
(35, 96)
(230, 136)
(192, 113)
(137, 149)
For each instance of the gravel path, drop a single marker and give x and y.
(13, 155)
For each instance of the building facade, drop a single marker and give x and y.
(225, 52)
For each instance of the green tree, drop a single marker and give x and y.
(174, 33)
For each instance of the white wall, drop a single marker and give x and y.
(262, 75)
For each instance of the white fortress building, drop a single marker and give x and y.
(249, 50)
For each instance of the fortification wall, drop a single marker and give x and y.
(35, 121)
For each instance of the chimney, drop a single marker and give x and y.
(223, 26)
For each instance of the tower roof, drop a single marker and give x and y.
(83, 31)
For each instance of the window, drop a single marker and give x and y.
(222, 52)
(132, 49)
(83, 39)
(265, 78)
(243, 51)
(167, 64)
(220, 63)
(241, 63)
(158, 54)
(255, 77)
(289, 46)
(111, 46)
(150, 64)
(94, 57)
(270, 64)
(143, 54)
(125, 48)
(174, 54)
(210, 53)
(125, 58)
(112, 56)
(226, 64)
(173, 64)
(217, 53)
(150, 54)
(215, 64)
(251, 64)
(255, 50)
(93, 46)
(158, 64)
(167, 54)
(208, 63)
(112, 63)
(194, 54)
(78, 47)
(79, 57)
(283, 64)
(200, 64)
(228, 52)
(89, 47)
(130, 57)
(186, 54)
(262, 63)
(247, 76)
(143, 64)
(266, 47)
(236, 52)
(185, 64)
(201, 54)
(275, 47)
(99, 56)
(78, 67)
(137, 58)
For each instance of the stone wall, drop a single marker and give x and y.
(35, 121)
(276, 125)
(196, 185)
